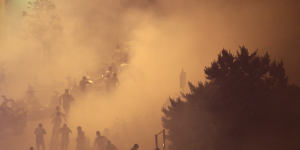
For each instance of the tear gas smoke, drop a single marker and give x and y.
(158, 37)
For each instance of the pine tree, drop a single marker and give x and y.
(246, 103)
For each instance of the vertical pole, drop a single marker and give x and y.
(156, 142)
(164, 139)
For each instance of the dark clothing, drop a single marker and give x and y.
(110, 146)
(83, 84)
(135, 147)
(65, 132)
(82, 141)
(39, 133)
(57, 121)
(100, 143)
(66, 99)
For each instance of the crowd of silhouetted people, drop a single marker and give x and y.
(60, 131)
(61, 140)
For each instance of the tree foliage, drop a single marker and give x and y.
(246, 103)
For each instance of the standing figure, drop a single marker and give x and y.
(56, 121)
(65, 131)
(182, 79)
(135, 147)
(39, 135)
(66, 99)
(82, 142)
(100, 142)
(110, 146)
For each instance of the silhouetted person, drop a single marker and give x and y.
(58, 118)
(84, 83)
(82, 142)
(66, 100)
(56, 121)
(100, 142)
(65, 131)
(110, 146)
(39, 134)
(182, 79)
(135, 147)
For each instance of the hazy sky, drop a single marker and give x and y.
(271, 25)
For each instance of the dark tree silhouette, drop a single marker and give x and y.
(246, 103)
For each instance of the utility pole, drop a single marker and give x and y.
(164, 139)
(163, 132)
(156, 142)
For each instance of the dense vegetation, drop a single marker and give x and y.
(246, 103)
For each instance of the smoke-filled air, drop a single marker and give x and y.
(149, 74)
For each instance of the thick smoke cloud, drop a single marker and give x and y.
(159, 36)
